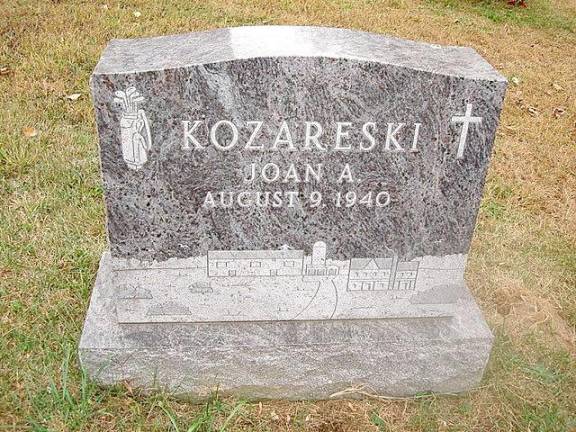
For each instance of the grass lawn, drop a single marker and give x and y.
(522, 267)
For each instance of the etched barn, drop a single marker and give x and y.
(283, 262)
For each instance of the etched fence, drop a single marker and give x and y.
(321, 271)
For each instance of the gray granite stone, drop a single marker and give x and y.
(286, 359)
(289, 211)
(296, 74)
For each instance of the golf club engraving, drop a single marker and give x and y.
(134, 128)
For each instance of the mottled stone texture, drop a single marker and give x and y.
(285, 359)
(322, 75)
(154, 190)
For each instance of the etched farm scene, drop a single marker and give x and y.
(283, 284)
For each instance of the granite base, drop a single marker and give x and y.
(285, 359)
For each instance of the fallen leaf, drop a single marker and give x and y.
(29, 132)
(442, 426)
(533, 111)
(128, 387)
(73, 96)
(559, 112)
(5, 70)
(137, 14)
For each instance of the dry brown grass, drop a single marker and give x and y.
(523, 261)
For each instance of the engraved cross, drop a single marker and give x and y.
(466, 119)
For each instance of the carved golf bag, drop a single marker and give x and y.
(135, 137)
(134, 128)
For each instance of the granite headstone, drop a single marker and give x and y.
(289, 212)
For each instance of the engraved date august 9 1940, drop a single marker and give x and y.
(271, 173)
(290, 199)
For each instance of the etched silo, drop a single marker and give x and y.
(319, 254)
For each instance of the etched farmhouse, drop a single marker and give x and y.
(405, 276)
(381, 274)
(370, 274)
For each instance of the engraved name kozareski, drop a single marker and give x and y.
(198, 135)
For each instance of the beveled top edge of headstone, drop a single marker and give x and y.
(127, 56)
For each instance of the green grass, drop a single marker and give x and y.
(522, 267)
(539, 14)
